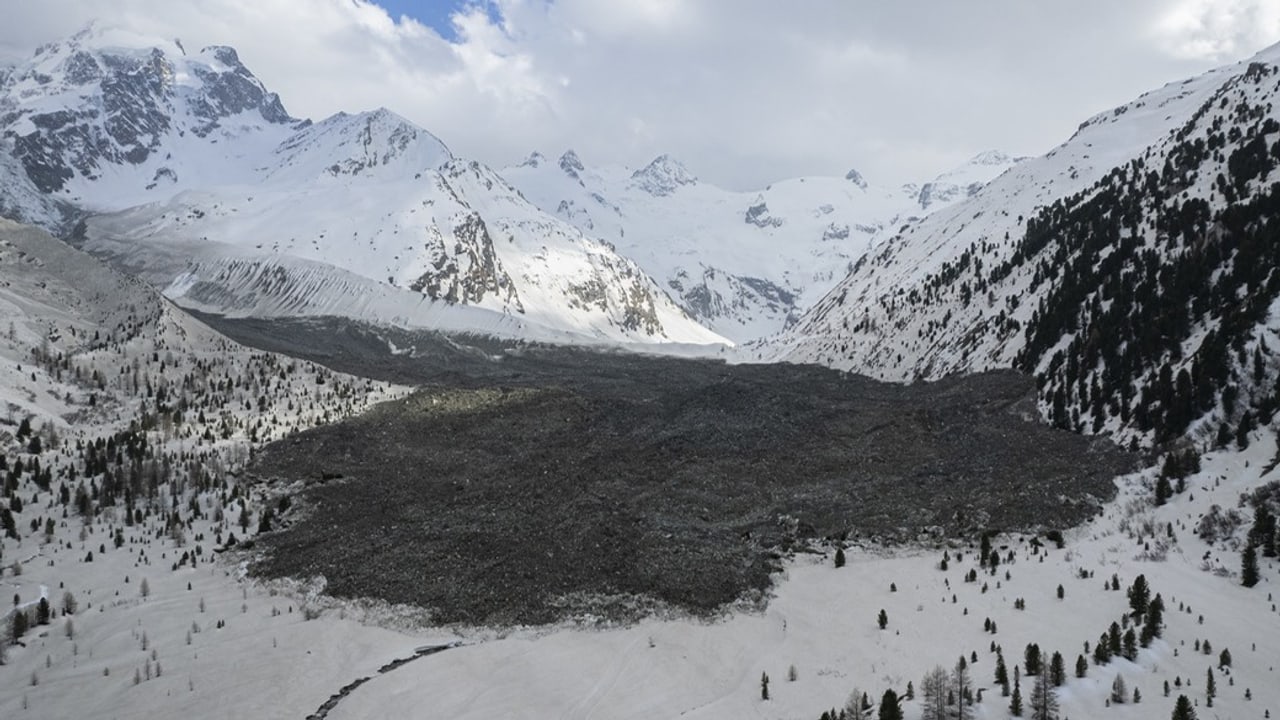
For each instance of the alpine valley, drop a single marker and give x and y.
(566, 439)
(184, 169)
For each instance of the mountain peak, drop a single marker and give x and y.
(993, 157)
(571, 165)
(663, 176)
(98, 36)
(153, 92)
(856, 178)
(534, 160)
(224, 54)
(373, 142)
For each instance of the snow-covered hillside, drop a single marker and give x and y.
(124, 423)
(86, 349)
(190, 149)
(745, 264)
(1056, 266)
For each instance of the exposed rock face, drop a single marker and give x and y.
(571, 165)
(758, 215)
(933, 193)
(715, 293)
(468, 271)
(129, 104)
(663, 176)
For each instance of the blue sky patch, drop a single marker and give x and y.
(435, 13)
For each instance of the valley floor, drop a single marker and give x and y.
(206, 643)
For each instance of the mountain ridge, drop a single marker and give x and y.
(744, 263)
(190, 149)
(1056, 268)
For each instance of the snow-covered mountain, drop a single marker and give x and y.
(962, 182)
(745, 264)
(190, 167)
(181, 156)
(106, 120)
(1133, 269)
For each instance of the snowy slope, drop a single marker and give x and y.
(87, 354)
(746, 264)
(182, 148)
(75, 329)
(930, 301)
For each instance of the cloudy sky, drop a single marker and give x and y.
(745, 92)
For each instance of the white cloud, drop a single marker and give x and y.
(1218, 29)
(744, 91)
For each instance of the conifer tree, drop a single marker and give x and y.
(1130, 645)
(1155, 616)
(1139, 595)
(1082, 666)
(1249, 566)
(1032, 659)
(18, 627)
(1263, 529)
(1057, 670)
(1210, 689)
(890, 709)
(840, 557)
(1147, 634)
(1245, 427)
(961, 686)
(883, 619)
(1182, 709)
